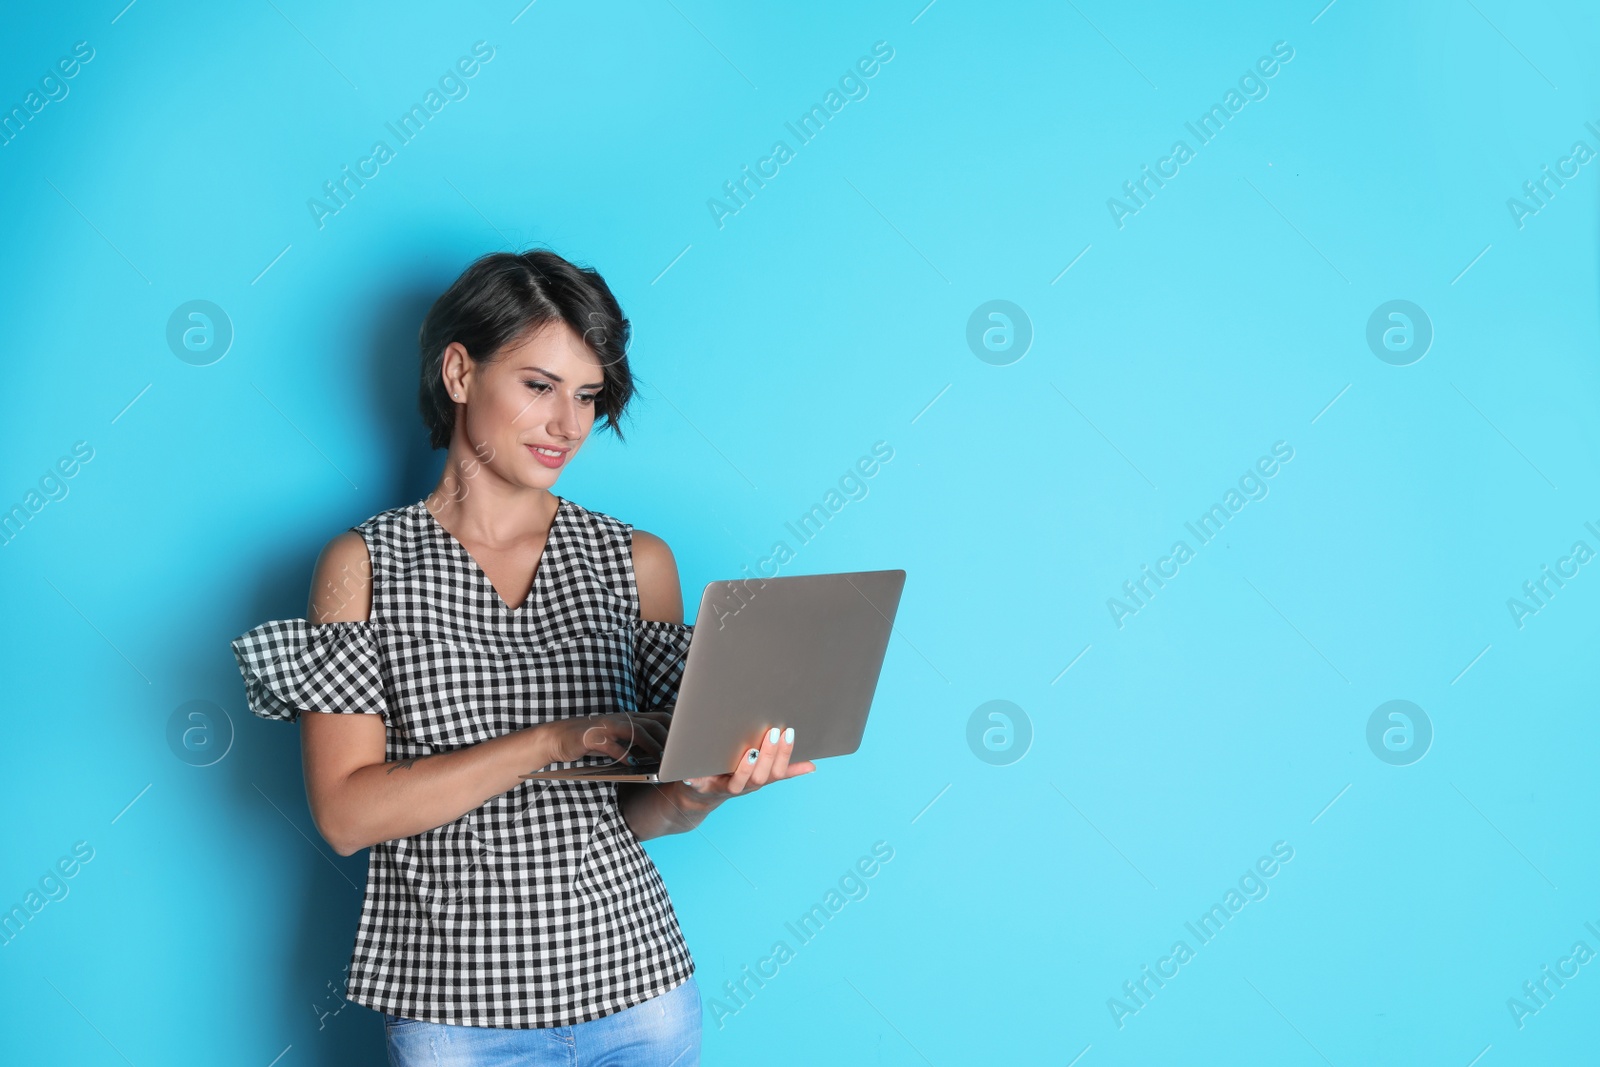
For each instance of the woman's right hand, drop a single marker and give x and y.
(640, 736)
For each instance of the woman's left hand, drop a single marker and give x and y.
(771, 764)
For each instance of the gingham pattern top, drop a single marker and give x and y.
(538, 908)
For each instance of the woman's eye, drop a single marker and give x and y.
(544, 387)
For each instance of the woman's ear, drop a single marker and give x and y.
(456, 371)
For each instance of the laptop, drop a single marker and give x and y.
(802, 651)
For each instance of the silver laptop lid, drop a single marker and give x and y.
(802, 651)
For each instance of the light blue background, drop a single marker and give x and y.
(828, 314)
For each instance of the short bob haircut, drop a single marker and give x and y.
(505, 297)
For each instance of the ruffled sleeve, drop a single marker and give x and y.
(659, 651)
(290, 665)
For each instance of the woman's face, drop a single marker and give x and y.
(539, 395)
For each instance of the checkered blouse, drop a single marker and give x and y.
(539, 908)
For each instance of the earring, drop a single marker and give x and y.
(457, 395)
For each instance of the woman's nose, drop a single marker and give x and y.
(567, 418)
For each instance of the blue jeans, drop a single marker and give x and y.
(662, 1032)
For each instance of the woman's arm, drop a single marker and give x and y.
(356, 798)
(652, 810)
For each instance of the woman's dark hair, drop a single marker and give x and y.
(505, 297)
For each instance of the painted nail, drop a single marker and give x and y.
(751, 757)
(772, 736)
(788, 735)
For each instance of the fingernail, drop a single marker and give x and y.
(751, 757)
(772, 736)
(788, 735)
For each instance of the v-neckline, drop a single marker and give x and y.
(483, 575)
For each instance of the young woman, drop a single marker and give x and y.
(487, 631)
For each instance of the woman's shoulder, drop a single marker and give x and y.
(341, 582)
(601, 529)
(341, 585)
(644, 560)
(389, 518)
(623, 538)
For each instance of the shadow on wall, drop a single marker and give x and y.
(405, 467)
(392, 365)
(315, 906)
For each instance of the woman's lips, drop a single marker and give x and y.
(548, 460)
